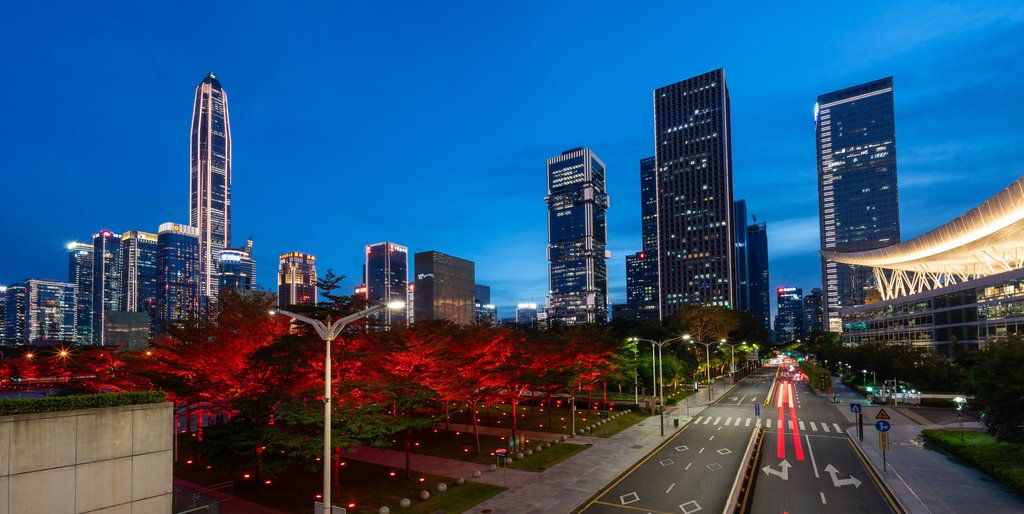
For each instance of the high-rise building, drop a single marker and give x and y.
(387, 279)
(694, 182)
(636, 277)
(741, 274)
(814, 315)
(3, 307)
(649, 226)
(80, 274)
(210, 179)
(485, 311)
(296, 279)
(757, 274)
(577, 237)
(49, 311)
(237, 268)
(526, 315)
(177, 278)
(138, 272)
(789, 322)
(106, 280)
(15, 307)
(858, 202)
(445, 287)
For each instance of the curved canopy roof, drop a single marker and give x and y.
(990, 235)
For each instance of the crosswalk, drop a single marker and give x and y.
(819, 426)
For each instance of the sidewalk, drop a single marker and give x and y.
(230, 504)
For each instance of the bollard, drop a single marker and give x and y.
(383, 510)
(424, 495)
(404, 503)
(442, 488)
(460, 481)
(476, 474)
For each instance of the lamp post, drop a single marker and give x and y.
(873, 379)
(328, 332)
(732, 368)
(707, 352)
(864, 378)
(660, 375)
(960, 400)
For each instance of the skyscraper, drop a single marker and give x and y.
(445, 287)
(636, 277)
(577, 237)
(106, 280)
(814, 315)
(387, 279)
(485, 311)
(15, 306)
(177, 278)
(694, 182)
(649, 227)
(858, 202)
(138, 272)
(789, 322)
(210, 179)
(80, 274)
(296, 279)
(3, 318)
(741, 279)
(237, 268)
(757, 276)
(50, 311)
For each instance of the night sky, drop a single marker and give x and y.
(428, 124)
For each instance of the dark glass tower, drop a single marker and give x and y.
(577, 237)
(789, 322)
(636, 277)
(177, 278)
(694, 176)
(237, 268)
(138, 272)
(649, 227)
(757, 278)
(106, 281)
(210, 179)
(15, 307)
(387, 279)
(485, 312)
(858, 203)
(814, 315)
(445, 287)
(296, 279)
(80, 274)
(742, 273)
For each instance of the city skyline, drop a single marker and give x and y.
(936, 95)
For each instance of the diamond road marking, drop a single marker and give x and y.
(622, 498)
(724, 451)
(714, 467)
(667, 462)
(690, 510)
(682, 448)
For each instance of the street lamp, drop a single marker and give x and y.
(328, 332)
(732, 368)
(864, 378)
(707, 352)
(960, 401)
(661, 372)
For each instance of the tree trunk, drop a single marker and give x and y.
(336, 479)
(605, 399)
(447, 414)
(590, 398)
(514, 417)
(408, 453)
(551, 422)
(488, 412)
(476, 431)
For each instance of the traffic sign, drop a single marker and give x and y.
(883, 441)
(854, 407)
(604, 415)
(512, 443)
(882, 426)
(882, 414)
(500, 452)
(757, 409)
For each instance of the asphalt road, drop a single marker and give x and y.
(811, 464)
(695, 470)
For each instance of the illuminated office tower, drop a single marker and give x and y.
(210, 179)
(49, 311)
(789, 322)
(445, 288)
(387, 279)
(695, 207)
(237, 269)
(741, 272)
(15, 305)
(757, 274)
(296, 279)
(106, 281)
(577, 237)
(858, 203)
(485, 311)
(177, 278)
(3, 306)
(80, 274)
(649, 228)
(138, 272)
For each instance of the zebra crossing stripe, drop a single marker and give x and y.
(728, 420)
(748, 423)
(768, 423)
(814, 427)
(801, 425)
(717, 420)
(789, 424)
(706, 421)
(837, 427)
(824, 427)
(738, 421)
(697, 421)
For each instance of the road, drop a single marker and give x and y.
(694, 471)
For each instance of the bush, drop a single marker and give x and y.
(671, 401)
(1000, 460)
(88, 401)
(627, 406)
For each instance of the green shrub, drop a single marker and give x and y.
(88, 401)
(1001, 460)
(619, 407)
(671, 401)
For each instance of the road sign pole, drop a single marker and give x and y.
(860, 425)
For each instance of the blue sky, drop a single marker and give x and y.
(428, 125)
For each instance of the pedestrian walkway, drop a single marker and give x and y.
(229, 504)
(927, 480)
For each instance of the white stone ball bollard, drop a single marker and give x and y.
(424, 495)
(405, 503)
(442, 488)
(460, 481)
(476, 474)
(383, 510)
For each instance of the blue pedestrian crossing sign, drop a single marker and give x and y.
(757, 409)
(854, 407)
(882, 426)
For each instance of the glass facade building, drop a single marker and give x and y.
(50, 311)
(695, 204)
(237, 268)
(15, 307)
(80, 274)
(445, 288)
(814, 314)
(387, 280)
(210, 179)
(485, 311)
(577, 238)
(296, 279)
(138, 272)
(636, 277)
(177, 278)
(858, 202)
(757, 275)
(106, 280)
(789, 322)
(649, 226)
(741, 274)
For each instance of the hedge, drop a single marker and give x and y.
(814, 374)
(1000, 460)
(89, 401)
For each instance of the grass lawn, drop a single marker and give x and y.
(366, 486)
(1002, 461)
(462, 446)
(536, 420)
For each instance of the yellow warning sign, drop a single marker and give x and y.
(882, 414)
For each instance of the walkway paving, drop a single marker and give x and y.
(230, 504)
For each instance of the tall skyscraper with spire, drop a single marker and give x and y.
(210, 179)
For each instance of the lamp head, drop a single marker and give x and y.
(396, 305)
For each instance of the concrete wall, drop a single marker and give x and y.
(115, 460)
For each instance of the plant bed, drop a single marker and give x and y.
(1000, 460)
(536, 420)
(462, 446)
(363, 488)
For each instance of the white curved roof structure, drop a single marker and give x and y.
(987, 240)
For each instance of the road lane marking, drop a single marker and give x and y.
(712, 438)
(738, 421)
(691, 510)
(741, 399)
(801, 425)
(814, 427)
(719, 428)
(748, 423)
(717, 420)
(701, 450)
(824, 427)
(635, 498)
(696, 421)
(648, 511)
(837, 427)
(728, 420)
(706, 421)
(687, 466)
(673, 485)
(823, 498)
(809, 450)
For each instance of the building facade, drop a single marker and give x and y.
(106, 280)
(649, 226)
(741, 275)
(485, 311)
(296, 279)
(387, 280)
(138, 272)
(526, 315)
(789, 322)
(695, 203)
(445, 288)
(80, 274)
(577, 238)
(636, 277)
(814, 313)
(177, 278)
(210, 179)
(237, 268)
(50, 311)
(15, 310)
(757, 275)
(858, 202)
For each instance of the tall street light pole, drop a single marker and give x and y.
(707, 353)
(733, 367)
(661, 372)
(328, 332)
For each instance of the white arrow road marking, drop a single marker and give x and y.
(635, 498)
(784, 474)
(754, 399)
(839, 483)
(734, 398)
